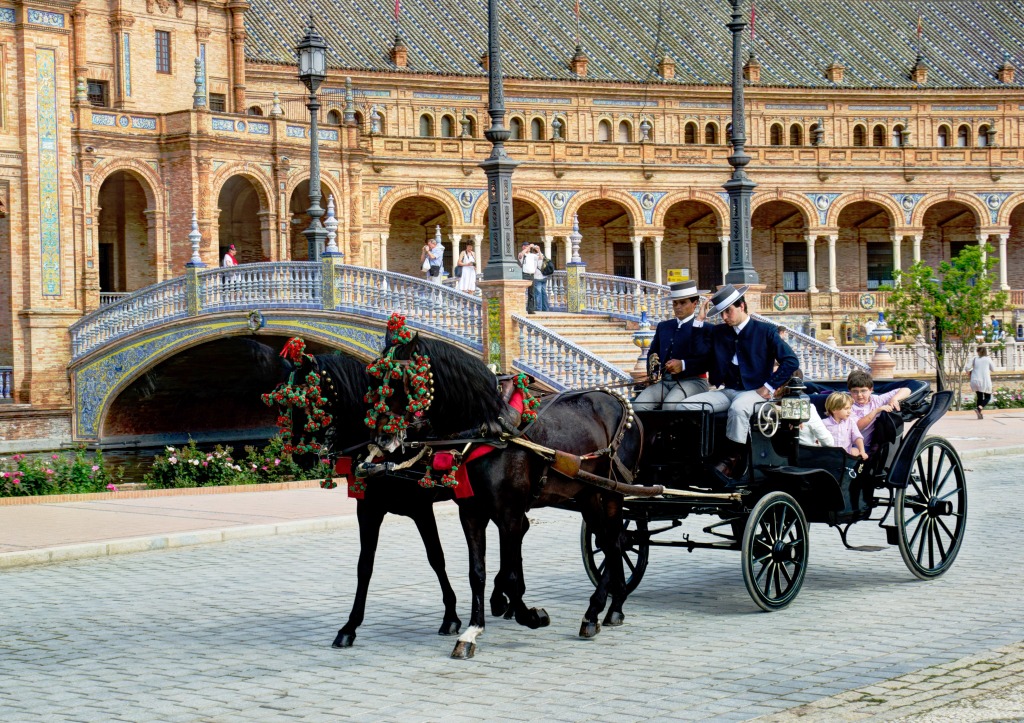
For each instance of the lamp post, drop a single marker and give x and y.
(312, 55)
(739, 187)
(502, 264)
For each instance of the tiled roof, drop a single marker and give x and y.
(965, 41)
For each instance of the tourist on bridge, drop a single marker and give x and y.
(229, 257)
(531, 261)
(681, 351)
(467, 262)
(435, 254)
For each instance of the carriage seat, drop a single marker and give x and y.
(819, 391)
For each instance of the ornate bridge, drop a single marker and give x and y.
(332, 305)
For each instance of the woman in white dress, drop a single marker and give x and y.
(467, 262)
(981, 380)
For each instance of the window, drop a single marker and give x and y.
(728, 132)
(983, 136)
(622, 259)
(163, 51)
(99, 91)
(879, 264)
(690, 134)
(334, 118)
(709, 264)
(878, 136)
(711, 134)
(943, 138)
(536, 130)
(604, 132)
(963, 136)
(359, 121)
(255, 110)
(515, 127)
(897, 136)
(447, 126)
(796, 135)
(859, 136)
(470, 129)
(814, 133)
(776, 135)
(426, 126)
(218, 102)
(794, 267)
(625, 132)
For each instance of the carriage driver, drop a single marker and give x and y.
(682, 352)
(744, 353)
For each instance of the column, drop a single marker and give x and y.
(238, 36)
(832, 239)
(897, 254)
(812, 281)
(548, 243)
(917, 247)
(982, 241)
(456, 242)
(477, 240)
(724, 240)
(658, 278)
(1003, 271)
(637, 269)
(566, 249)
(383, 252)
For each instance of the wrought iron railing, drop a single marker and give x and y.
(558, 362)
(6, 384)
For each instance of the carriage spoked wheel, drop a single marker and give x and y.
(635, 551)
(775, 550)
(931, 511)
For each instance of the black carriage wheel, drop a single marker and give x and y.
(931, 513)
(775, 550)
(635, 550)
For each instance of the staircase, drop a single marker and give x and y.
(603, 336)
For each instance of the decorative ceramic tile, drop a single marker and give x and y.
(296, 132)
(630, 102)
(7, 15)
(467, 198)
(222, 124)
(445, 96)
(985, 108)
(259, 128)
(994, 202)
(382, 191)
(327, 135)
(823, 202)
(49, 171)
(42, 17)
(143, 123)
(103, 119)
(558, 200)
(127, 44)
(908, 202)
(648, 201)
(532, 100)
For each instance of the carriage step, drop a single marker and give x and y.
(892, 535)
(866, 548)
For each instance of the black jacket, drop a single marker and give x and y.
(757, 348)
(689, 344)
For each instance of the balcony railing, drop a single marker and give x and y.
(6, 384)
(109, 297)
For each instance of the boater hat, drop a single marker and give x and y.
(684, 290)
(726, 297)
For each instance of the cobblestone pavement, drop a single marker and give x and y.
(241, 632)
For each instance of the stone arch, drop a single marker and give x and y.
(982, 214)
(529, 223)
(780, 228)
(607, 222)
(242, 225)
(693, 230)
(1014, 215)
(805, 205)
(260, 179)
(411, 222)
(1009, 206)
(864, 246)
(129, 227)
(896, 214)
(948, 224)
(144, 173)
(542, 204)
(392, 197)
(717, 133)
(297, 201)
(713, 200)
(632, 206)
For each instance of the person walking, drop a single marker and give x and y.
(467, 262)
(981, 380)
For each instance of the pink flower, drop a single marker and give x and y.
(173, 460)
(95, 468)
(56, 456)
(17, 481)
(18, 457)
(112, 487)
(205, 464)
(49, 471)
(5, 474)
(264, 468)
(277, 462)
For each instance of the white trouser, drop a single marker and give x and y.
(740, 405)
(668, 394)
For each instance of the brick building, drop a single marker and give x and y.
(873, 145)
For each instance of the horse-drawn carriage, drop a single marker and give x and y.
(911, 484)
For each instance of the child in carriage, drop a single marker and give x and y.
(867, 405)
(839, 422)
(813, 432)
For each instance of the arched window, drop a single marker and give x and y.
(650, 130)
(563, 130)
(728, 133)
(943, 138)
(470, 129)
(690, 133)
(878, 136)
(516, 127)
(859, 136)
(983, 136)
(426, 126)
(813, 134)
(255, 110)
(334, 118)
(776, 135)
(625, 132)
(604, 132)
(382, 121)
(796, 135)
(711, 134)
(447, 126)
(963, 136)
(536, 130)
(359, 121)
(897, 135)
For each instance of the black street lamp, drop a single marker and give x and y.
(502, 264)
(312, 54)
(739, 187)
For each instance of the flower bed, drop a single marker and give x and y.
(57, 474)
(189, 466)
(1004, 398)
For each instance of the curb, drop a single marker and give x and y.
(992, 452)
(89, 550)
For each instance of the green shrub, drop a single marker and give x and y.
(57, 473)
(189, 466)
(1007, 398)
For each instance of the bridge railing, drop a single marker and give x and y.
(558, 362)
(147, 307)
(283, 284)
(432, 307)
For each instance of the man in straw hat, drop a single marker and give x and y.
(681, 350)
(744, 354)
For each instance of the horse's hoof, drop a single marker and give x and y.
(450, 627)
(464, 650)
(589, 629)
(499, 606)
(541, 618)
(343, 640)
(614, 619)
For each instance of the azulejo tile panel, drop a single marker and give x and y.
(49, 171)
(259, 128)
(7, 15)
(42, 17)
(104, 119)
(146, 124)
(222, 124)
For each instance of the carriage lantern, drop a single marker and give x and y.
(796, 405)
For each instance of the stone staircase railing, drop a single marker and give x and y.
(558, 362)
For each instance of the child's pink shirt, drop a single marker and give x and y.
(862, 410)
(845, 433)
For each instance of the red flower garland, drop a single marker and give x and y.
(530, 402)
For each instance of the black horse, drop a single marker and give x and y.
(510, 481)
(343, 382)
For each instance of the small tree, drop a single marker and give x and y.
(956, 305)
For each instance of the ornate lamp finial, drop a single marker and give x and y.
(195, 238)
(331, 224)
(575, 238)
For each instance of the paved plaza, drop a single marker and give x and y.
(241, 631)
